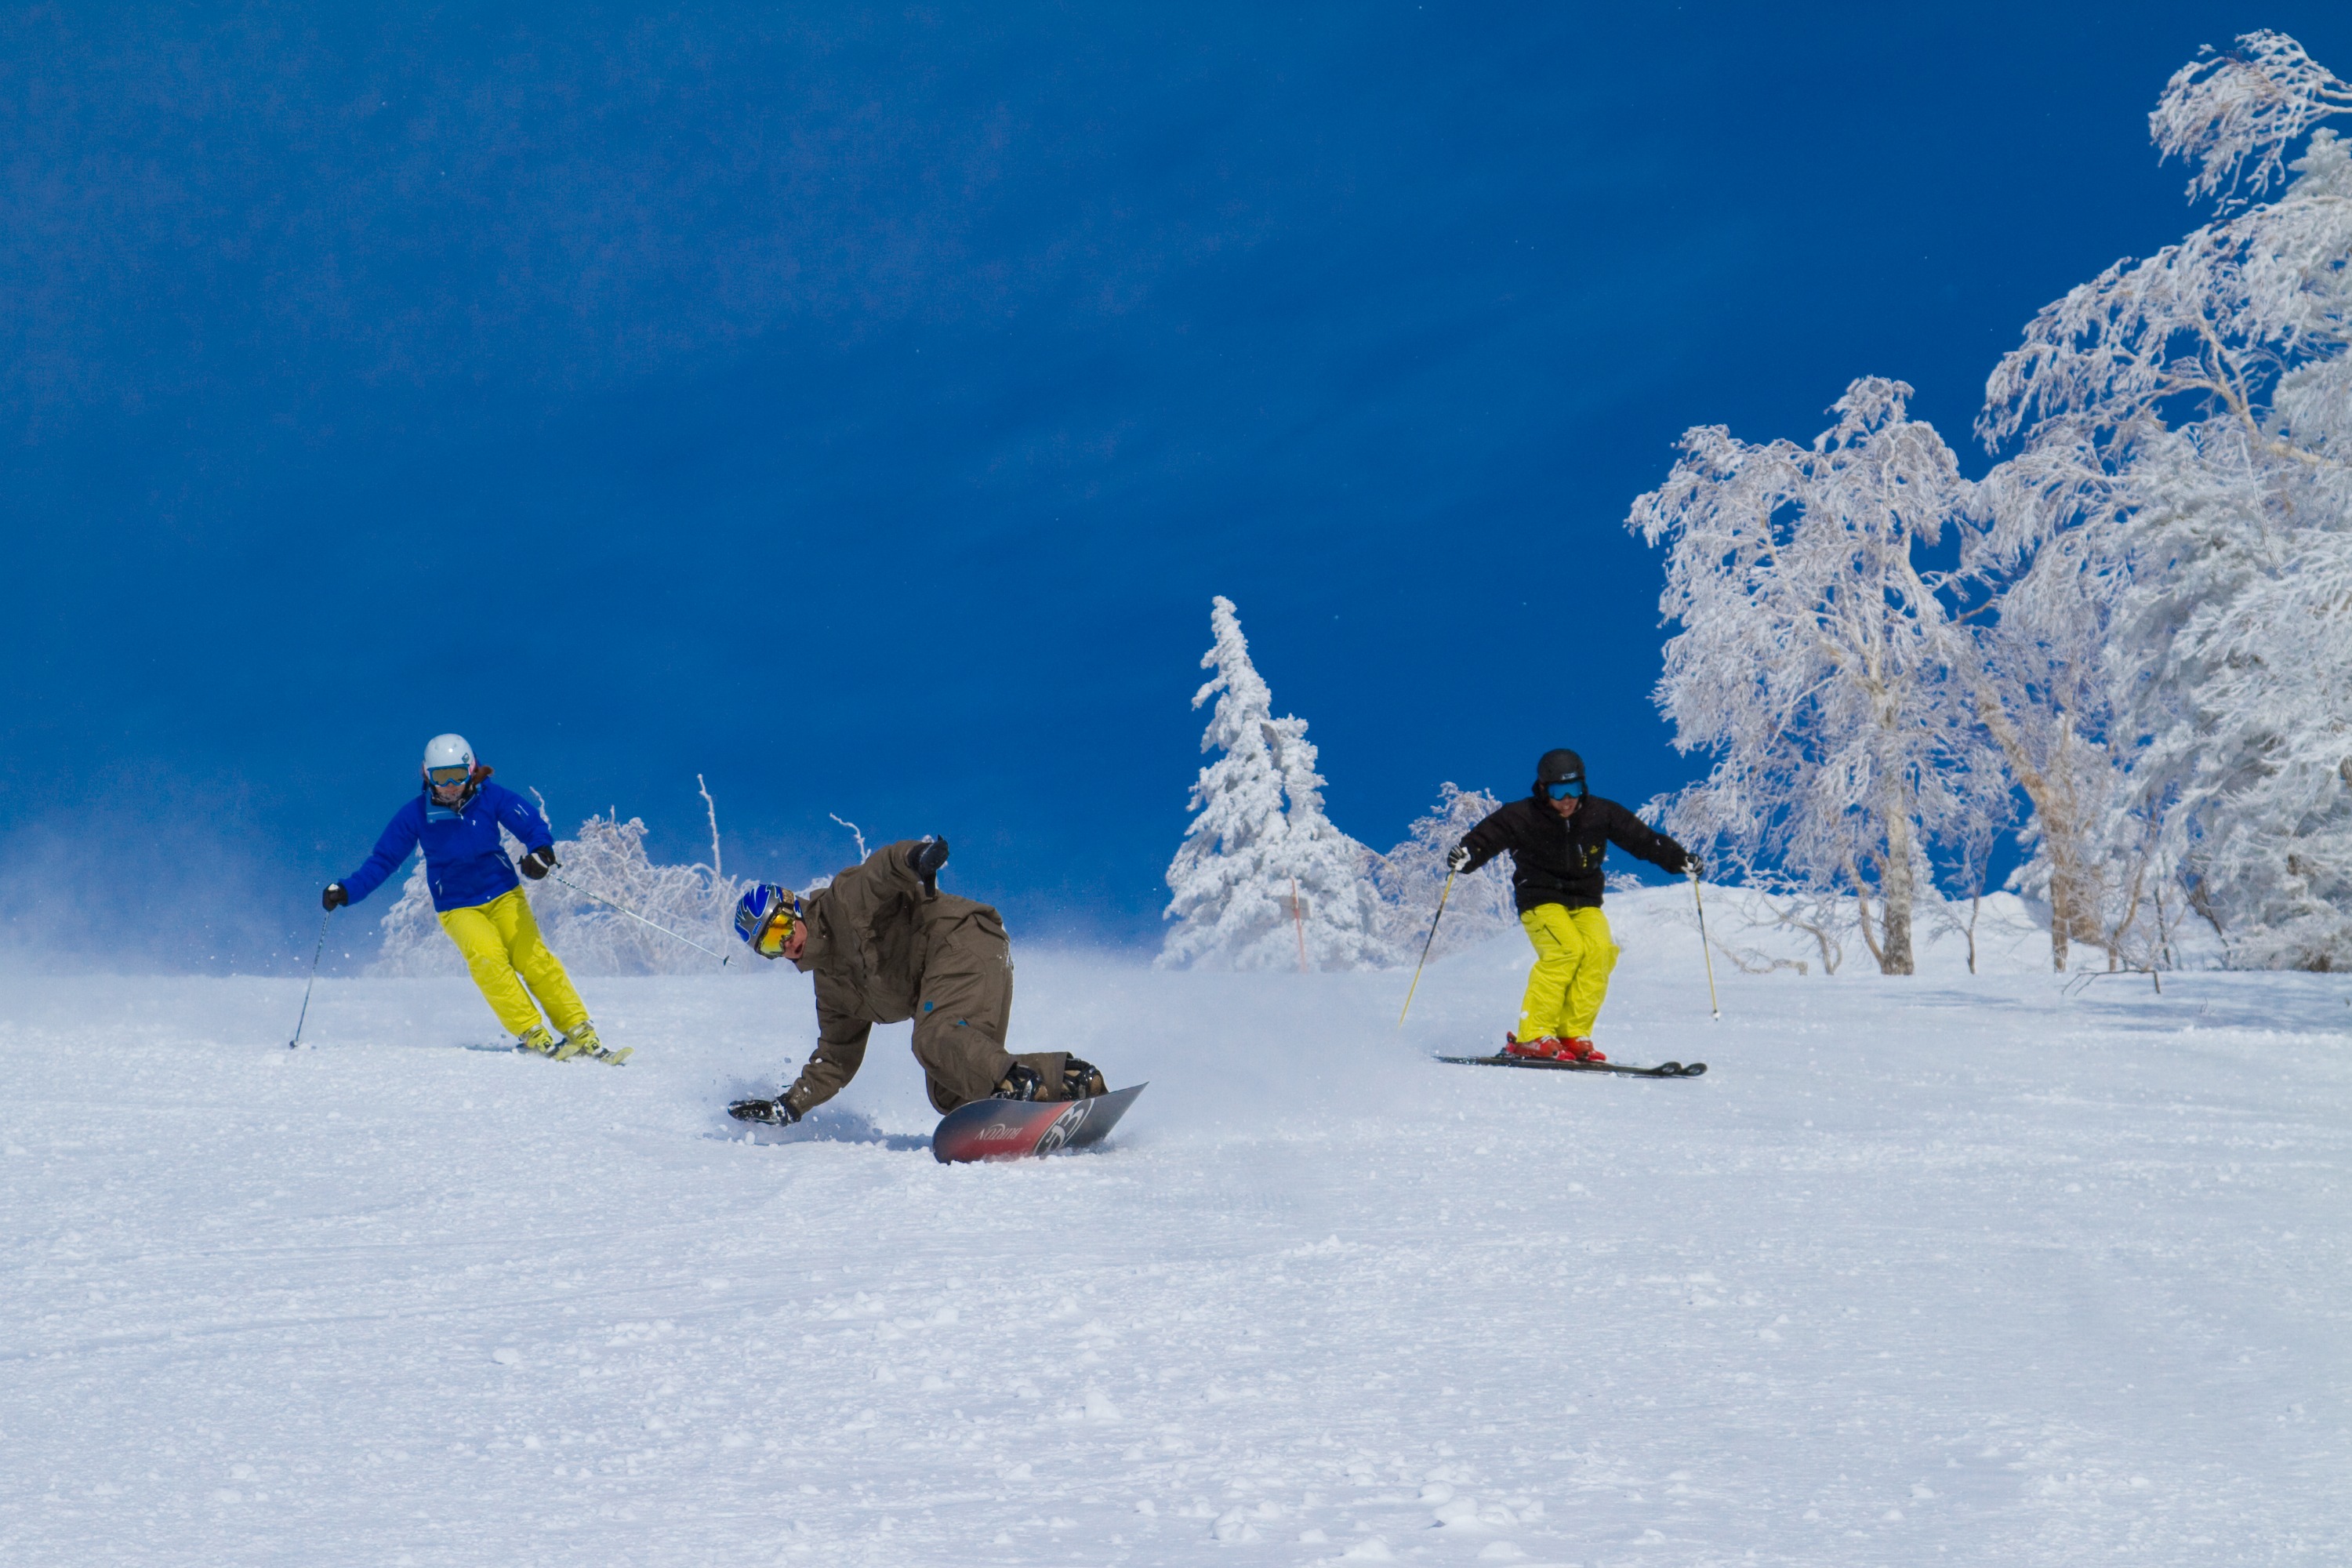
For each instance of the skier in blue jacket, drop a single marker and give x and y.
(456, 818)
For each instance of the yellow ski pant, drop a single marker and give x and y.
(501, 942)
(1574, 955)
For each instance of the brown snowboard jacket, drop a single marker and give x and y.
(881, 951)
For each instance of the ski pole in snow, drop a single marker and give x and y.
(1712, 1006)
(315, 951)
(623, 909)
(1442, 893)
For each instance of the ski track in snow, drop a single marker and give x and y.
(1951, 1269)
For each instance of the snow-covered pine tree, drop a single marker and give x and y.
(1245, 852)
(1814, 659)
(1411, 876)
(2193, 414)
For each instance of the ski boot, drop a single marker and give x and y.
(773, 1112)
(1082, 1080)
(1020, 1083)
(1551, 1048)
(583, 1042)
(536, 1039)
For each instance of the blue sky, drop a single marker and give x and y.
(860, 407)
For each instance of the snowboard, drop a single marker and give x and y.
(1015, 1129)
(1550, 1064)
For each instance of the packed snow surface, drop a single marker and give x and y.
(1966, 1270)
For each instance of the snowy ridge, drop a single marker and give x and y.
(1951, 1269)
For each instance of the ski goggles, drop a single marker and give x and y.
(775, 934)
(449, 777)
(1566, 789)
(764, 919)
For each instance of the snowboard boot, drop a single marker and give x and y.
(537, 1038)
(1020, 1083)
(1082, 1080)
(774, 1112)
(583, 1042)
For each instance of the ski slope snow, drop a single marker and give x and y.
(1959, 1268)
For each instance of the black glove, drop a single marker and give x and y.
(334, 897)
(774, 1112)
(1693, 866)
(1458, 858)
(925, 859)
(538, 863)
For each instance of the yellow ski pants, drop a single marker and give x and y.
(1574, 954)
(501, 942)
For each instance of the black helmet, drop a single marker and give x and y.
(1562, 766)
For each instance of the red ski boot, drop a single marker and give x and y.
(1551, 1048)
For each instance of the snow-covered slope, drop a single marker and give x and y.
(1952, 1269)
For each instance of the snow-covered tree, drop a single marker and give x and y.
(2186, 422)
(1411, 876)
(2041, 624)
(1263, 880)
(1815, 656)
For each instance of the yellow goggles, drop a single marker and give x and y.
(449, 777)
(772, 936)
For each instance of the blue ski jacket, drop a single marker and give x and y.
(463, 863)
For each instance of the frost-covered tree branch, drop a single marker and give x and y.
(2222, 112)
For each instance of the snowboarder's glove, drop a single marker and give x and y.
(774, 1112)
(538, 863)
(1458, 858)
(334, 897)
(925, 859)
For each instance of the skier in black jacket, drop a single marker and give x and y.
(1557, 837)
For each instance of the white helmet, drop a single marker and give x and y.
(446, 753)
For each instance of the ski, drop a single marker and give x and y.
(615, 1057)
(1016, 1129)
(1551, 1064)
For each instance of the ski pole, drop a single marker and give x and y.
(315, 951)
(1442, 893)
(1713, 1007)
(641, 919)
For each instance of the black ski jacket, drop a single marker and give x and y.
(1558, 862)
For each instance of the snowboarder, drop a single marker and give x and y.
(456, 817)
(885, 944)
(1557, 837)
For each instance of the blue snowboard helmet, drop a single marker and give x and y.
(765, 916)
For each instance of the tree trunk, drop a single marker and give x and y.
(2055, 801)
(1895, 889)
